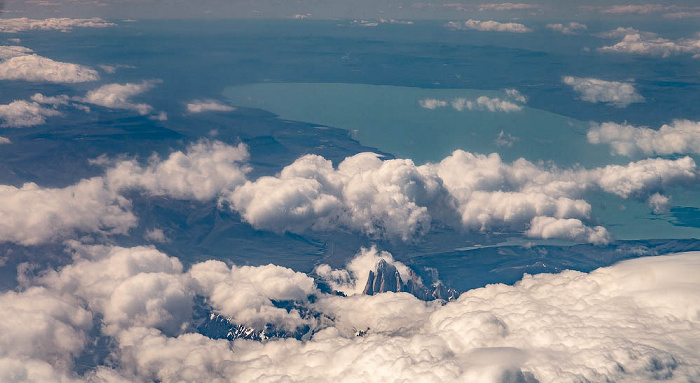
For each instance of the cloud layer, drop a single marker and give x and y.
(634, 321)
(615, 93)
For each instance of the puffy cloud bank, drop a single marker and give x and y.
(18, 63)
(396, 198)
(379, 198)
(648, 43)
(52, 24)
(615, 93)
(681, 136)
(488, 26)
(634, 321)
(200, 106)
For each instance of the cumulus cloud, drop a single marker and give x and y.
(200, 106)
(648, 43)
(615, 93)
(571, 228)
(245, 295)
(634, 321)
(681, 136)
(203, 171)
(395, 198)
(52, 24)
(118, 96)
(22, 114)
(86, 207)
(488, 26)
(19, 64)
(567, 29)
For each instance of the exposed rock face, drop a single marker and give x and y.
(387, 278)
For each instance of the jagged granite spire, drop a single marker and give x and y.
(387, 278)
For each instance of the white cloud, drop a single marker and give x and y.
(22, 114)
(567, 29)
(648, 43)
(118, 96)
(245, 294)
(137, 286)
(507, 7)
(31, 67)
(205, 170)
(54, 101)
(515, 95)
(484, 103)
(431, 103)
(681, 136)
(156, 235)
(571, 228)
(86, 207)
(638, 9)
(488, 26)
(365, 193)
(40, 324)
(496, 105)
(10, 51)
(52, 24)
(660, 204)
(615, 93)
(111, 69)
(682, 15)
(200, 106)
